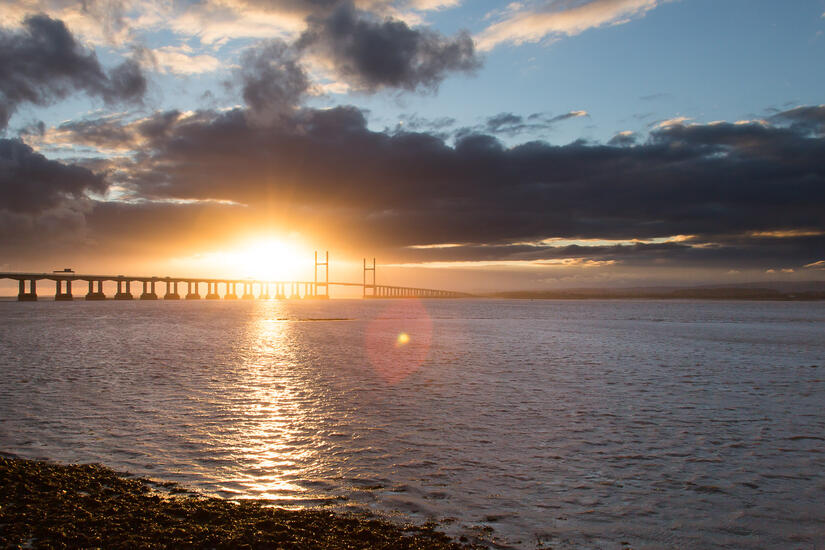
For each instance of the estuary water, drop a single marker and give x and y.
(568, 424)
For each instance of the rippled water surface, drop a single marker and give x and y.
(568, 424)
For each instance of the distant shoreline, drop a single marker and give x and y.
(759, 295)
(45, 504)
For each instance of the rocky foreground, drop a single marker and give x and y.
(47, 505)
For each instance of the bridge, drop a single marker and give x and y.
(233, 289)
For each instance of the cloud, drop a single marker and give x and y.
(273, 79)
(433, 4)
(95, 21)
(548, 18)
(805, 118)
(511, 124)
(411, 122)
(182, 60)
(31, 184)
(43, 63)
(736, 196)
(727, 184)
(675, 121)
(623, 139)
(371, 54)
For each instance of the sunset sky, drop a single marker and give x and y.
(472, 145)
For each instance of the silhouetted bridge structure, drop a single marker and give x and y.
(233, 289)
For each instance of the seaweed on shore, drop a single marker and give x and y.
(47, 505)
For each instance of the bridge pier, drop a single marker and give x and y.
(59, 294)
(123, 294)
(212, 291)
(247, 292)
(148, 291)
(171, 291)
(264, 291)
(230, 292)
(190, 293)
(31, 296)
(95, 295)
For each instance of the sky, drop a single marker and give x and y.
(471, 145)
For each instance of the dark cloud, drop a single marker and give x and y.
(509, 124)
(104, 133)
(44, 63)
(806, 118)
(30, 183)
(748, 193)
(274, 82)
(372, 54)
(411, 122)
(623, 139)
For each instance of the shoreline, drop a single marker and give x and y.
(46, 504)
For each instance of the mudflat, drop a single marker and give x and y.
(43, 504)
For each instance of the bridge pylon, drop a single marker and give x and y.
(325, 284)
(372, 286)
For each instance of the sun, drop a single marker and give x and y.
(270, 259)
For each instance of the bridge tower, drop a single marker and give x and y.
(370, 286)
(325, 284)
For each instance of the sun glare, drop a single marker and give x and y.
(270, 259)
(263, 259)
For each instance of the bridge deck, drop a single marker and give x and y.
(310, 287)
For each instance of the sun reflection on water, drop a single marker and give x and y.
(274, 446)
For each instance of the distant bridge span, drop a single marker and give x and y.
(245, 289)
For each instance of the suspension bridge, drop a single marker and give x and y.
(215, 288)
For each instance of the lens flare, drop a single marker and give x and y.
(397, 340)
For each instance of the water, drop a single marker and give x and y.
(563, 423)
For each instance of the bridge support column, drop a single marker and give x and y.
(60, 295)
(31, 296)
(123, 294)
(98, 294)
(264, 295)
(230, 292)
(148, 291)
(192, 290)
(247, 292)
(171, 291)
(212, 291)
